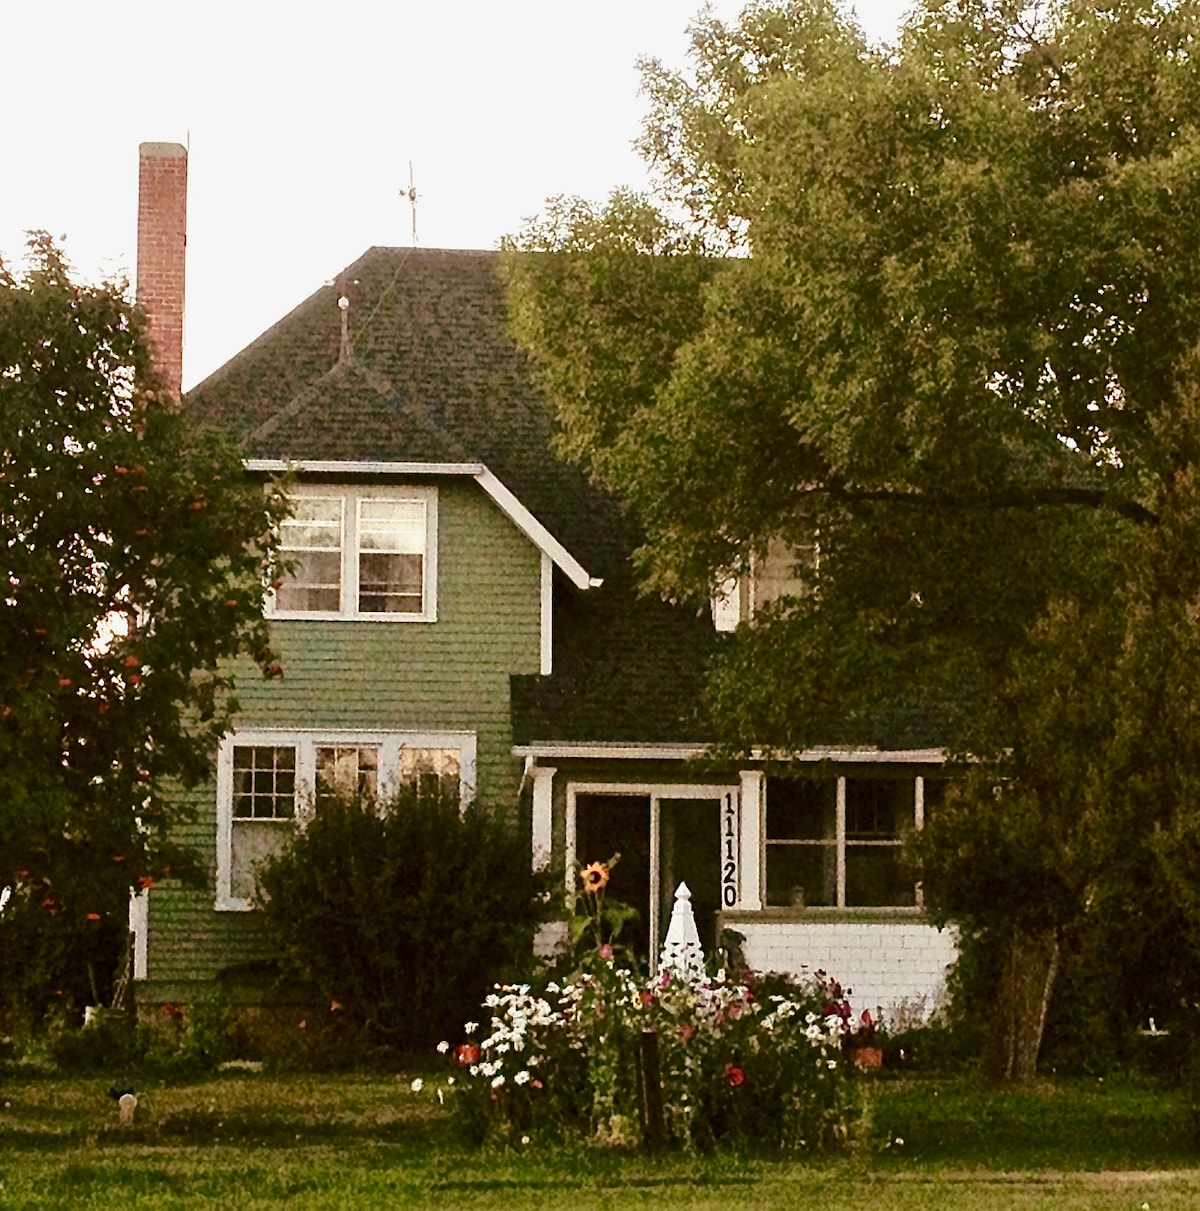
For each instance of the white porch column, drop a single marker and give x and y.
(543, 815)
(139, 925)
(752, 783)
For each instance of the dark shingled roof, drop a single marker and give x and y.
(432, 376)
(626, 668)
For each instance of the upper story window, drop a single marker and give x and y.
(836, 842)
(366, 552)
(783, 571)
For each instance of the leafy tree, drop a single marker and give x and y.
(935, 308)
(136, 558)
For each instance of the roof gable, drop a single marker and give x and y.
(426, 374)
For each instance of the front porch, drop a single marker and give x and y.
(805, 866)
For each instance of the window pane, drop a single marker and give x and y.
(875, 877)
(431, 770)
(264, 782)
(877, 809)
(389, 584)
(348, 771)
(802, 875)
(311, 542)
(801, 809)
(391, 561)
(316, 522)
(392, 525)
(253, 841)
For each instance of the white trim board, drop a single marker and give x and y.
(622, 751)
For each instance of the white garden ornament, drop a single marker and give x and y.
(682, 954)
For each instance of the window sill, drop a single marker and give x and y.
(329, 616)
(822, 916)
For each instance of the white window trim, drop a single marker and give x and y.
(350, 496)
(839, 843)
(306, 742)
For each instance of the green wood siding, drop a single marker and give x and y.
(447, 675)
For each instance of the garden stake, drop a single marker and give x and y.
(649, 1082)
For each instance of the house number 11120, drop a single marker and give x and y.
(729, 851)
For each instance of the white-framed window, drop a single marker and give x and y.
(367, 552)
(835, 842)
(268, 781)
(783, 570)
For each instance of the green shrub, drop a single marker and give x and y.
(110, 1041)
(196, 1038)
(402, 915)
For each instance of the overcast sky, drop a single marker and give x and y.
(302, 119)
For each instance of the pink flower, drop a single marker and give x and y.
(647, 997)
(736, 1075)
(606, 951)
(467, 1053)
(686, 1030)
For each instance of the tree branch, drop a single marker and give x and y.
(1013, 498)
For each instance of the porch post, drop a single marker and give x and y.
(543, 815)
(752, 782)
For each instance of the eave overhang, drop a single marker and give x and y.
(505, 500)
(619, 751)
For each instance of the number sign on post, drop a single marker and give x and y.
(729, 850)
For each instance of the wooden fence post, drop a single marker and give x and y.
(649, 1081)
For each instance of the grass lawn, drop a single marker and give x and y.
(355, 1140)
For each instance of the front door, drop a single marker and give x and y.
(618, 824)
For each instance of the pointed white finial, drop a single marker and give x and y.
(681, 952)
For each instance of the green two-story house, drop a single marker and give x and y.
(460, 607)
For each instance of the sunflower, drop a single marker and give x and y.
(594, 877)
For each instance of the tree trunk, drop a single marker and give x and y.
(1013, 1037)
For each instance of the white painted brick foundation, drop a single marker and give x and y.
(894, 968)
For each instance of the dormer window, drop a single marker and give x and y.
(366, 552)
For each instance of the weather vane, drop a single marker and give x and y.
(411, 194)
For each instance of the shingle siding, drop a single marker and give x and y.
(451, 675)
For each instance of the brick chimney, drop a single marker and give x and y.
(162, 239)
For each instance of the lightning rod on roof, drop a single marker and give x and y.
(411, 194)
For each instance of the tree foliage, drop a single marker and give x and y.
(136, 558)
(940, 314)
